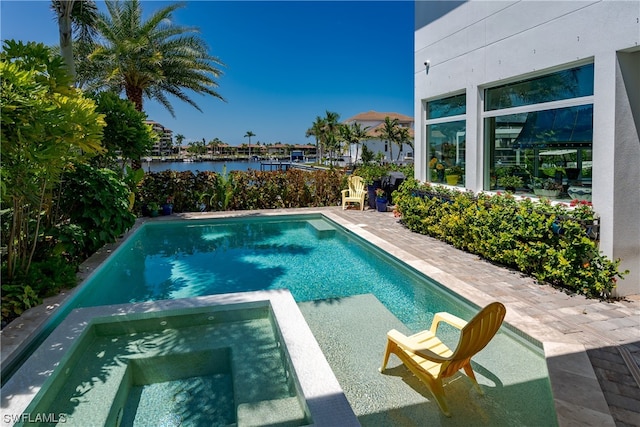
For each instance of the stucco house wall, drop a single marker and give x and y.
(474, 45)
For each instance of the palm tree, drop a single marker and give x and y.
(214, 144)
(389, 133)
(179, 140)
(151, 58)
(249, 134)
(403, 138)
(330, 135)
(316, 131)
(354, 134)
(78, 15)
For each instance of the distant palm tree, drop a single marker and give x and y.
(402, 137)
(354, 134)
(249, 134)
(214, 144)
(389, 133)
(179, 140)
(151, 58)
(316, 131)
(330, 135)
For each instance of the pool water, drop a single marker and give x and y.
(174, 368)
(184, 259)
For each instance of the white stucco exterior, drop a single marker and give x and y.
(480, 44)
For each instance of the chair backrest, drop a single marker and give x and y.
(476, 335)
(356, 184)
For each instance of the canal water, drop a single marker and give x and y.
(210, 166)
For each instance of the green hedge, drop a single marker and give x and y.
(554, 243)
(240, 190)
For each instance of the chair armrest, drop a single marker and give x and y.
(344, 192)
(449, 318)
(406, 343)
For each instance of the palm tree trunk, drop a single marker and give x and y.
(134, 94)
(63, 10)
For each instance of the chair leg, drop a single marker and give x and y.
(469, 371)
(387, 352)
(438, 392)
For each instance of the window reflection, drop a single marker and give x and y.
(447, 145)
(541, 147)
(566, 84)
(447, 107)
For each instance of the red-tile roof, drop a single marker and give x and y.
(376, 116)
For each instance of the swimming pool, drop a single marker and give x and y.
(323, 265)
(309, 255)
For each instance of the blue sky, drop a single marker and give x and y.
(286, 63)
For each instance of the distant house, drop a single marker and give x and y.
(375, 121)
(302, 152)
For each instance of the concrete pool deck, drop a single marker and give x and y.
(592, 347)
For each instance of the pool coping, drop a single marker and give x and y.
(577, 394)
(318, 386)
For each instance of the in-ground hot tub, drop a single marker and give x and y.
(246, 358)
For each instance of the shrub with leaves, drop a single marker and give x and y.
(550, 242)
(240, 190)
(96, 200)
(46, 125)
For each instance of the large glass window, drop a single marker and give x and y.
(537, 149)
(446, 140)
(567, 84)
(447, 107)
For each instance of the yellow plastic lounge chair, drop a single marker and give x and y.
(431, 361)
(355, 193)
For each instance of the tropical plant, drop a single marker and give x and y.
(404, 137)
(98, 201)
(126, 134)
(316, 131)
(551, 242)
(214, 145)
(367, 154)
(354, 134)
(150, 58)
(510, 181)
(331, 134)
(545, 184)
(389, 133)
(179, 140)
(46, 124)
(454, 170)
(371, 172)
(153, 206)
(223, 190)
